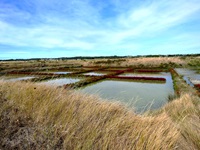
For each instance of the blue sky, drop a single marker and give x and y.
(66, 28)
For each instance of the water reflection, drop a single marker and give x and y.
(20, 78)
(159, 75)
(190, 76)
(62, 72)
(136, 95)
(94, 74)
(62, 81)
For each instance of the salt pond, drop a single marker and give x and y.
(57, 72)
(190, 76)
(61, 72)
(137, 95)
(61, 81)
(20, 78)
(156, 75)
(94, 74)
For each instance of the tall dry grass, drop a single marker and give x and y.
(136, 62)
(185, 113)
(37, 116)
(35, 64)
(155, 61)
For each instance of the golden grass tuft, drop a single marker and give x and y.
(185, 113)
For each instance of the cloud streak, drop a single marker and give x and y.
(86, 27)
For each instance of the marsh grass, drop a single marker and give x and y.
(162, 62)
(193, 61)
(172, 97)
(185, 112)
(37, 116)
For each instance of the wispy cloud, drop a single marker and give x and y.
(110, 26)
(155, 18)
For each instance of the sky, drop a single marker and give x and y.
(68, 28)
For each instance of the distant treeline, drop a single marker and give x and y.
(170, 55)
(104, 57)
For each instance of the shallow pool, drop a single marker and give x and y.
(190, 76)
(137, 95)
(61, 72)
(61, 81)
(20, 78)
(94, 74)
(158, 75)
